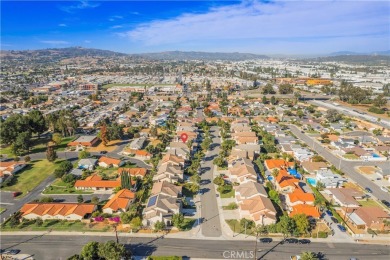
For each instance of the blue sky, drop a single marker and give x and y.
(264, 27)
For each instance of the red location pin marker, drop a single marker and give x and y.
(184, 137)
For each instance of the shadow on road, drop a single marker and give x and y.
(25, 241)
(271, 249)
(141, 249)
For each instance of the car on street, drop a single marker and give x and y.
(329, 213)
(368, 190)
(265, 240)
(103, 152)
(12, 252)
(291, 241)
(334, 220)
(342, 228)
(384, 189)
(304, 241)
(386, 203)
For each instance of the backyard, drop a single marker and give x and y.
(31, 176)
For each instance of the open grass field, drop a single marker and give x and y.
(32, 175)
(369, 203)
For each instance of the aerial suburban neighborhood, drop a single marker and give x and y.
(257, 138)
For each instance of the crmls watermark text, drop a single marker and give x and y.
(232, 254)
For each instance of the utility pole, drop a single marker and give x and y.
(257, 237)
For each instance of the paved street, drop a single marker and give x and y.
(50, 247)
(348, 167)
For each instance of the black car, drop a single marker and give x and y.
(334, 220)
(387, 204)
(291, 241)
(368, 190)
(304, 241)
(266, 240)
(103, 152)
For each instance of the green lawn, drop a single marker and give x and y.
(188, 223)
(369, 203)
(39, 145)
(350, 156)
(229, 194)
(236, 227)
(31, 176)
(231, 206)
(60, 187)
(56, 225)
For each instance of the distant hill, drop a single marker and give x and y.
(340, 53)
(194, 55)
(358, 59)
(71, 52)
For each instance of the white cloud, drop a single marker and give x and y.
(62, 25)
(116, 27)
(84, 4)
(55, 42)
(87, 41)
(115, 17)
(291, 21)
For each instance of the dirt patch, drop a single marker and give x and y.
(352, 186)
(111, 146)
(367, 169)
(365, 109)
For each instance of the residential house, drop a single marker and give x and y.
(345, 197)
(137, 143)
(160, 208)
(96, 182)
(167, 189)
(330, 179)
(61, 211)
(313, 167)
(258, 209)
(9, 168)
(171, 159)
(134, 172)
(107, 162)
(306, 209)
(245, 151)
(120, 202)
(87, 163)
(248, 190)
(85, 141)
(242, 170)
(278, 164)
(369, 218)
(284, 182)
(169, 173)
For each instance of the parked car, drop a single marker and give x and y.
(384, 189)
(12, 252)
(16, 193)
(304, 241)
(291, 241)
(329, 213)
(334, 220)
(103, 152)
(265, 240)
(368, 190)
(342, 228)
(387, 204)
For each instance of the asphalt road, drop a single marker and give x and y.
(50, 247)
(211, 226)
(346, 110)
(348, 167)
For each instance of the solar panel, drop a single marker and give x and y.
(152, 201)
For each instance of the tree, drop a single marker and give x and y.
(193, 187)
(27, 159)
(111, 250)
(286, 225)
(318, 158)
(302, 223)
(46, 199)
(37, 122)
(80, 199)
(22, 143)
(68, 178)
(286, 89)
(268, 89)
(264, 100)
(51, 154)
(308, 256)
(57, 138)
(300, 113)
(178, 220)
(104, 134)
(90, 251)
(246, 223)
(219, 180)
(273, 100)
(136, 222)
(159, 225)
(83, 154)
(65, 166)
(95, 200)
(333, 116)
(125, 180)
(379, 101)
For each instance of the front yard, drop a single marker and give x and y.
(350, 156)
(31, 176)
(369, 203)
(60, 187)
